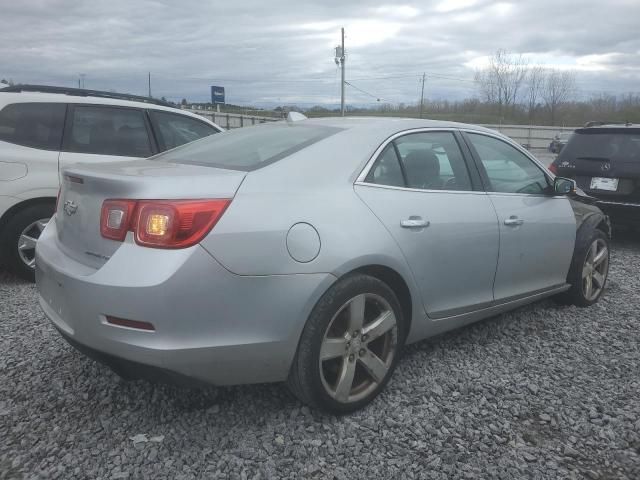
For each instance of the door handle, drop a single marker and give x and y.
(513, 221)
(414, 223)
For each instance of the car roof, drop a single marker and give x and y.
(34, 97)
(391, 125)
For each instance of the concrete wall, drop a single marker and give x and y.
(533, 137)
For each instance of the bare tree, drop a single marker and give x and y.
(501, 80)
(536, 77)
(559, 86)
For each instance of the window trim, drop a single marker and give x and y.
(153, 122)
(483, 173)
(66, 134)
(64, 123)
(476, 185)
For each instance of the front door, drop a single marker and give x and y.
(537, 228)
(421, 189)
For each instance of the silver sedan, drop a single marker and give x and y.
(310, 251)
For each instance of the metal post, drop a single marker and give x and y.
(422, 96)
(342, 59)
(149, 84)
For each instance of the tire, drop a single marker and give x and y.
(582, 264)
(358, 351)
(29, 221)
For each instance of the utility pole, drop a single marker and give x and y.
(81, 80)
(342, 59)
(149, 84)
(422, 96)
(339, 59)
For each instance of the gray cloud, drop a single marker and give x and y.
(281, 52)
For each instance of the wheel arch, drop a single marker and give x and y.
(6, 217)
(395, 282)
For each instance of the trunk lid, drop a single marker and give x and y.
(85, 187)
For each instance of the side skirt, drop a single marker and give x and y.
(428, 327)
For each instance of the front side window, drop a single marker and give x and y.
(109, 131)
(428, 161)
(175, 130)
(37, 125)
(508, 169)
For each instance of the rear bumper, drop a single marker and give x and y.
(210, 325)
(621, 212)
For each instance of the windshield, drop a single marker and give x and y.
(603, 145)
(249, 148)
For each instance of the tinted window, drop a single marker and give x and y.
(386, 170)
(175, 130)
(601, 144)
(433, 161)
(37, 125)
(250, 147)
(508, 169)
(109, 131)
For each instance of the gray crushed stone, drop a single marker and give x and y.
(546, 391)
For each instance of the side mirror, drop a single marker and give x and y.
(564, 186)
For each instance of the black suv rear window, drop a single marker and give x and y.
(249, 148)
(37, 125)
(610, 144)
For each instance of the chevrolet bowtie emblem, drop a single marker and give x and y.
(70, 208)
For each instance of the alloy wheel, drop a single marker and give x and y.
(28, 239)
(595, 269)
(358, 348)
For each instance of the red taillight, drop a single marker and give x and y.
(115, 218)
(162, 223)
(553, 168)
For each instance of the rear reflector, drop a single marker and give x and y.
(123, 322)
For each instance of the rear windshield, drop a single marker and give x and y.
(617, 145)
(249, 148)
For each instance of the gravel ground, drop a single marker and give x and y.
(543, 392)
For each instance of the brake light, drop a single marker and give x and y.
(553, 168)
(161, 223)
(115, 218)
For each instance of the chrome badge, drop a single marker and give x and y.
(69, 207)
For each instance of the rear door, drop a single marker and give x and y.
(537, 228)
(422, 190)
(105, 133)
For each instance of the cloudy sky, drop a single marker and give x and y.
(281, 52)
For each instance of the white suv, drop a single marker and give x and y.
(43, 129)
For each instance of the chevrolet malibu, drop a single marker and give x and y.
(310, 251)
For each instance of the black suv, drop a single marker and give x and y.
(604, 159)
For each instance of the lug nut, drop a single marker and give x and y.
(348, 344)
(355, 333)
(364, 338)
(352, 357)
(362, 352)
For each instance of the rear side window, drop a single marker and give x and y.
(37, 125)
(603, 144)
(108, 131)
(175, 130)
(427, 161)
(249, 148)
